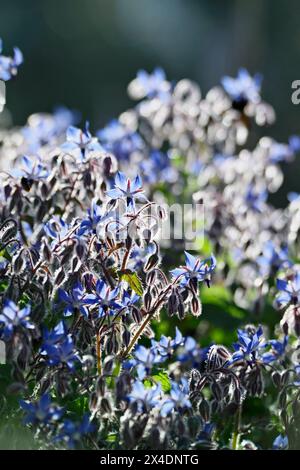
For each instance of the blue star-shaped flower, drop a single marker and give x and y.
(105, 298)
(13, 317)
(248, 345)
(62, 353)
(195, 269)
(76, 300)
(81, 142)
(127, 189)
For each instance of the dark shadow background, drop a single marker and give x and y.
(84, 53)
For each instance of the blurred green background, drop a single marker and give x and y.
(84, 53)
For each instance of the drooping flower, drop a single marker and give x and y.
(44, 129)
(129, 299)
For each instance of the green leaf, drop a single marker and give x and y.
(163, 378)
(112, 437)
(78, 406)
(133, 280)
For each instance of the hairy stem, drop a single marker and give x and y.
(236, 432)
(98, 353)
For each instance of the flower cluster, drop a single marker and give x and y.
(90, 302)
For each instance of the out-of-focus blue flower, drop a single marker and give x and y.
(280, 443)
(157, 168)
(178, 399)
(243, 87)
(72, 433)
(289, 291)
(13, 317)
(80, 141)
(144, 359)
(281, 152)
(294, 143)
(166, 346)
(247, 346)
(105, 298)
(145, 398)
(76, 300)
(127, 189)
(255, 199)
(273, 258)
(9, 65)
(120, 141)
(61, 353)
(44, 129)
(277, 350)
(195, 269)
(41, 411)
(153, 84)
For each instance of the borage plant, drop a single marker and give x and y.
(100, 330)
